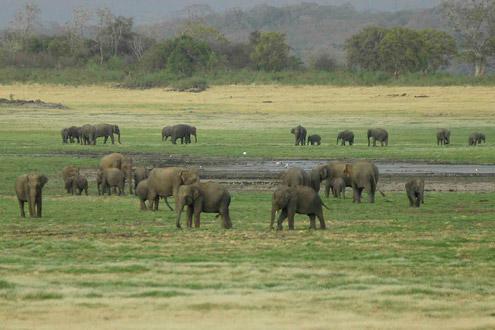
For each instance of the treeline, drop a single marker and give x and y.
(108, 43)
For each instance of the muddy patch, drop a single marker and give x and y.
(37, 104)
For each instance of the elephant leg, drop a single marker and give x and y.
(281, 217)
(112, 138)
(290, 218)
(323, 226)
(418, 199)
(411, 199)
(190, 213)
(359, 195)
(156, 201)
(227, 222)
(327, 188)
(143, 205)
(39, 206)
(197, 217)
(105, 140)
(21, 208)
(312, 222)
(355, 196)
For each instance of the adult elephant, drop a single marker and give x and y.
(377, 134)
(335, 170)
(346, 136)
(415, 190)
(364, 176)
(443, 136)
(107, 131)
(123, 163)
(74, 134)
(183, 132)
(88, 134)
(476, 138)
(300, 200)
(300, 135)
(113, 178)
(28, 189)
(296, 176)
(165, 182)
(207, 197)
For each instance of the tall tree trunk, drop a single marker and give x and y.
(479, 67)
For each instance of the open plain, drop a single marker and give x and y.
(99, 262)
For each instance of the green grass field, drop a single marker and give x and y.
(99, 262)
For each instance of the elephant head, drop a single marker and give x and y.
(188, 195)
(34, 185)
(317, 175)
(116, 130)
(189, 176)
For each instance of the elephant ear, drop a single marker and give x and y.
(43, 180)
(348, 170)
(324, 173)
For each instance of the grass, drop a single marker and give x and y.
(100, 262)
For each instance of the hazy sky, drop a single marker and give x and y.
(156, 10)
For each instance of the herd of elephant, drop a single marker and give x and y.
(87, 134)
(377, 135)
(297, 194)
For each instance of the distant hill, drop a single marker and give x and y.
(311, 28)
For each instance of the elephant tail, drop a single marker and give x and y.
(324, 205)
(166, 202)
(376, 187)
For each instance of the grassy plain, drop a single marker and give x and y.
(96, 262)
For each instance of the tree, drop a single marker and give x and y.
(402, 50)
(363, 49)
(324, 62)
(271, 52)
(439, 48)
(26, 21)
(474, 24)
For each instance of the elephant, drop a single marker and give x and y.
(207, 197)
(77, 185)
(476, 138)
(68, 173)
(142, 193)
(74, 134)
(99, 181)
(364, 176)
(300, 134)
(183, 132)
(338, 187)
(29, 189)
(415, 190)
(88, 134)
(166, 132)
(107, 130)
(124, 163)
(112, 178)
(65, 135)
(165, 182)
(140, 174)
(345, 136)
(314, 140)
(298, 177)
(335, 170)
(378, 134)
(300, 200)
(443, 136)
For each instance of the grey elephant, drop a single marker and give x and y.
(88, 134)
(124, 163)
(335, 170)
(300, 200)
(99, 181)
(140, 173)
(300, 135)
(68, 173)
(183, 132)
(77, 184)
(443, 136)
(338, 186)
(364, 176)
(314, 139)
(165, 182)
(112, 179)
(377, 134)
(29, 189)
(108, 131)
(166, 133)
(415, 190)
(204, 197)
(142, 193)
(75, 134)
(65, 135)
(296, 176)
(346, 137)
(476, 138)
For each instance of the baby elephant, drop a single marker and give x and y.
(112, 178)
(79, 184)
(314, 140)
(338, 187)
(140, 174)
(300, 200)
(207, 197)
(346, 136)
(443, 136)
(28, 189)
(415, 190)
(476, 138)
(142, 193)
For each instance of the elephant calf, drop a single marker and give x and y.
(78, 185)
(476, 138)
(28, 189)
(140, 174)
(300, 200)
(207, 197)
(415, 190)
(300, 135)
(112, 178)
(142, 193)
(338, 187)
(314, 140)
(68, 173)
(345, 136)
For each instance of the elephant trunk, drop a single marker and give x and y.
(274, 212)
(118, 136)
(179, 207)
(195, 138)
(32, 203)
